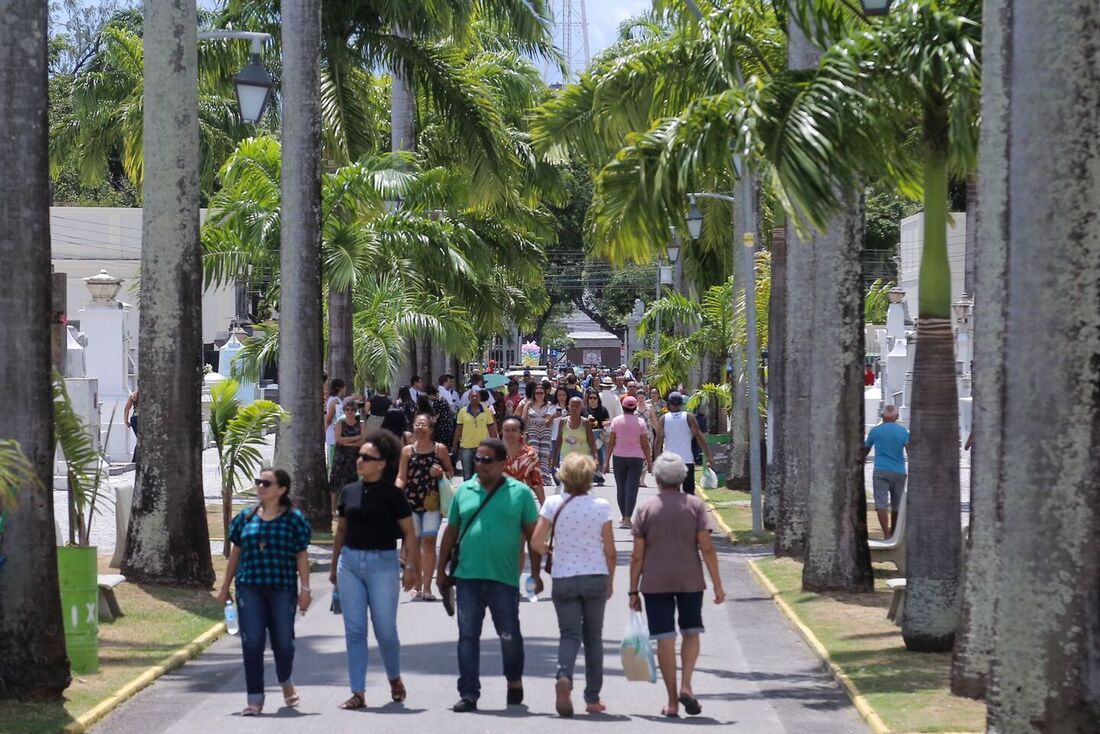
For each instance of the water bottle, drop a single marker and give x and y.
(231, 624)
(529, 588)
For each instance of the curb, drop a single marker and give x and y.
(188, 652)
(878, 726)
(717, 518)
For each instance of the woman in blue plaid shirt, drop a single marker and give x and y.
(267, 561)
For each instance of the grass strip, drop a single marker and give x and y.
(735, 509)
(909, 692)
(157, 621)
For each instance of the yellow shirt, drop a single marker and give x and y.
(475, 428)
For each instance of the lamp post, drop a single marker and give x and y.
(673, 251)
(752, 349)
(875, 7)
(254, 83)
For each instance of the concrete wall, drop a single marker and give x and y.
(85, 240)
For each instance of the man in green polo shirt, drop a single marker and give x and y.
(488, 570)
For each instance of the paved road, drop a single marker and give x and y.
(755, 675)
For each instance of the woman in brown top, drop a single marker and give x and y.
(670, 531)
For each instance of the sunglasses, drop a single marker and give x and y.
(479, 459)
(368, 457)
(264, 483)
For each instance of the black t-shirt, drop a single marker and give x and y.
(379, 404)
(372, 512)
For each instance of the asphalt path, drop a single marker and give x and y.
(755, 675)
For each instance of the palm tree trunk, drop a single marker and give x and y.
(837, 557)
(975, 641)
(168, 540)
(301, 443)
(341, 357)
(777, 365)
(1048, 624)
(794, 401)
(934, 537)
(403, 137)
(33, 664)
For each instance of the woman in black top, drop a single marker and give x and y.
(598, 418)
(365, 564)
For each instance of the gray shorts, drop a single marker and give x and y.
(889, 489)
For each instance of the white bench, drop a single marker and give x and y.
(897, 601)
(892, 549)
(109, 609)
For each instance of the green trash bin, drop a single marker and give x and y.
(713, 440)
(77, 577)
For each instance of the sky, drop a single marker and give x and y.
(604, 17)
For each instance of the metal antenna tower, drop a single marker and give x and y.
(571, 36)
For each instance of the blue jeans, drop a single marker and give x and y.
(369, 584)
(473, 597)
(264, 609)
(466, 456)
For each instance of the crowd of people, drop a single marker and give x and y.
(530, 453)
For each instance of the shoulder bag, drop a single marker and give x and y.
(550, 545)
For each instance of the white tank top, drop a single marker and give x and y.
(678, 435)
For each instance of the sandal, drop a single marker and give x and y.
(563, 703)
(669, 713)
(354, 703)
(428, 596)
(397, 690)
(596, 708)
(690, 704)
(291, 698)
(251, 710)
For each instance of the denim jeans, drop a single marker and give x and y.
(264, 609)
(628, 475)
(579, 602)
(472, 598)
(369, 584)
(466, 456)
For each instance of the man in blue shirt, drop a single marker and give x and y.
(890, 442)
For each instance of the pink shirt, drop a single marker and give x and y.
(628, 429)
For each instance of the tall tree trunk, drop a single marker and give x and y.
(168, 541)
(793, 520)
(933, 543)
(403, 138)
(341, 355)
(837, 557)
(301, 444)
(792, 434)
(33, 664)
(1047, 659)
(974, 643)
(777, 367)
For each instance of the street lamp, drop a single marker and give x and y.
(695, 220)
(875, 7)
(254, 83)
(673, 245)
(752, 348)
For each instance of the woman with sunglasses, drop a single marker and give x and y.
(267, 563)
(424, 462)
(598, 418)
(538, 416)
(366, 568)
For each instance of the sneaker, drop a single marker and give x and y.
(515, 696)
(464, 706)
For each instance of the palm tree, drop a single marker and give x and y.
(1039, 184)
(106, 116)
(300, 449)
(816, 136)
(33, 664)
(167, 540)
(238, 432)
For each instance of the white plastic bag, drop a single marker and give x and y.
(710, 479)
(639, 663)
